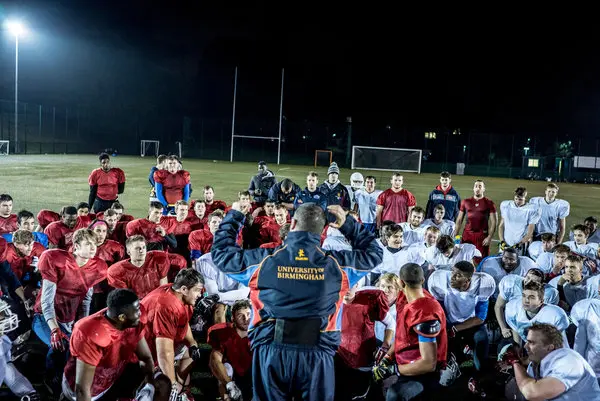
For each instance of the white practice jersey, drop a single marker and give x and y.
(511, 287)
(422, 247)
(516, 317)
(516, 220)
(335, 241)
(460, 252)
(460, 305)
(589, 250)
(551, 213)
(5, 357)
(585, 315)
(585, 289)
(573, 371)
(412, 235)
(367, 205)
(446, 227)
(217, 282)
(493, 266)
(393, 261)
(593, 238)
(535, 249)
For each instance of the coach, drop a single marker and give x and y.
(296, 291)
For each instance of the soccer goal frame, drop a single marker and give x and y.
(145, 146)
(317, 151)
(356, 164)
(4, 148)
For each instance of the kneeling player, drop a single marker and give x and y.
(421, 343)
(102, 345)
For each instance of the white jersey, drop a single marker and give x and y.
(393, 261)
(516, 317)
(589, 250)
(493, 266)
(545, 262)
(593, 238)
(573, 371)
(5, 357)
(535, 249)
(367, 205)
(551, 213)
(516, 220)
(336, 241)
(460, 305)
(422, 247)
(412, 235)
(380, 326)
(217, 282)
(585, 289)
(446, 227)
(586, 316)
(511, 287)
(460, 252)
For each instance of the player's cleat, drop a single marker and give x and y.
(451, 372)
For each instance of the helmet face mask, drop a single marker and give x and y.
(8, 320)
(357, 180)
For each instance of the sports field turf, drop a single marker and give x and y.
(52, 181)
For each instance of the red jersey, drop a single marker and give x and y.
(478, 212)
(216, 204)
(107, 182)
(119, 234)
(45, 217)
(147, 229)
(200, 240)
(167, 317)
(3, 249)
(8, 224)
(110, 252)
(176, 227)
(97, 342)
(196, 223)
(270, 245)
(409, 315)
(269, 232)
(395, 205)
(140, 280)
(72, 282)
(223, 337)
(124, 217)
(22, 264)
(173, 184)
(358, 342)
(61, 235)
(176, 262)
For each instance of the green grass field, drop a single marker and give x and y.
(52, 181)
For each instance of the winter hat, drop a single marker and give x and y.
(333, 169)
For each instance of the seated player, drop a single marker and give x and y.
(171, 185)
(154, 229)
(554, 372)
(395, 253)
(269, 227)
(200, 241)
(26, 221)
(9, 375)
(119, 210)
(283, 233)
(546, 243)
(580, 244)
(210, 202)
(116, 229)
(446, 227)
(284, 193)
(586, 316)
(60, 233)
(573, 286)
(231, 358)
(198, 219)
(553, 263)
(413, 229)
(67, 288)
(446, 253)
(102, 348)
(508, 263)
(45, 217)
(421, 345)
(181, 227)
(8, 220)
(106, 183)
(22, 256)
(143, 272)
(169, 309)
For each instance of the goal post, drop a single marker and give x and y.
(386, 159)
(323, 157)
(4, 148)
(148, 147)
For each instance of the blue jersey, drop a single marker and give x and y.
(37, 237)
(298, 280)
(305, 196)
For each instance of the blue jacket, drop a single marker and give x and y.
(276, 194)
(305, 196)
(297, 280)
(450, 200)
(336, 196)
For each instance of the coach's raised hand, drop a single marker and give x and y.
(340, 215)
(244, 208)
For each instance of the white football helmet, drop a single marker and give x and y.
(357, 181)
(8, 320)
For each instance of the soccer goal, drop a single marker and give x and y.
(4, 148)
(386, 159)
(149, 147)
(323, 158)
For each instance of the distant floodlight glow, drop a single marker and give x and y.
(16, 28)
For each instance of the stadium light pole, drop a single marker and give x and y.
(17, 29)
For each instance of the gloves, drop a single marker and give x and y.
(58, 339)
(502, 245)
(509, 354)
(380, 353)
(385, 369)
(204, 305)
(234, 391)
(195, 353)
(451, 331)
(175, 390)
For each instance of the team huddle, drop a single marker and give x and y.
(331, 292)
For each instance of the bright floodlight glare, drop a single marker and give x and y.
(15, 27)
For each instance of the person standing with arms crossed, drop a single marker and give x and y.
(296, 292)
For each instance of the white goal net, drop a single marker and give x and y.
(386, 159)
(149, 148)
(4, 148)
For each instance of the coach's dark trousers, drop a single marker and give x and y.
(283, 371)
(101, 205)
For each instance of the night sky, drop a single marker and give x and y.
(381, 66)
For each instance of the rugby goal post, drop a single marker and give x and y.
(4, 148)
(149, 147)
(386, 159)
